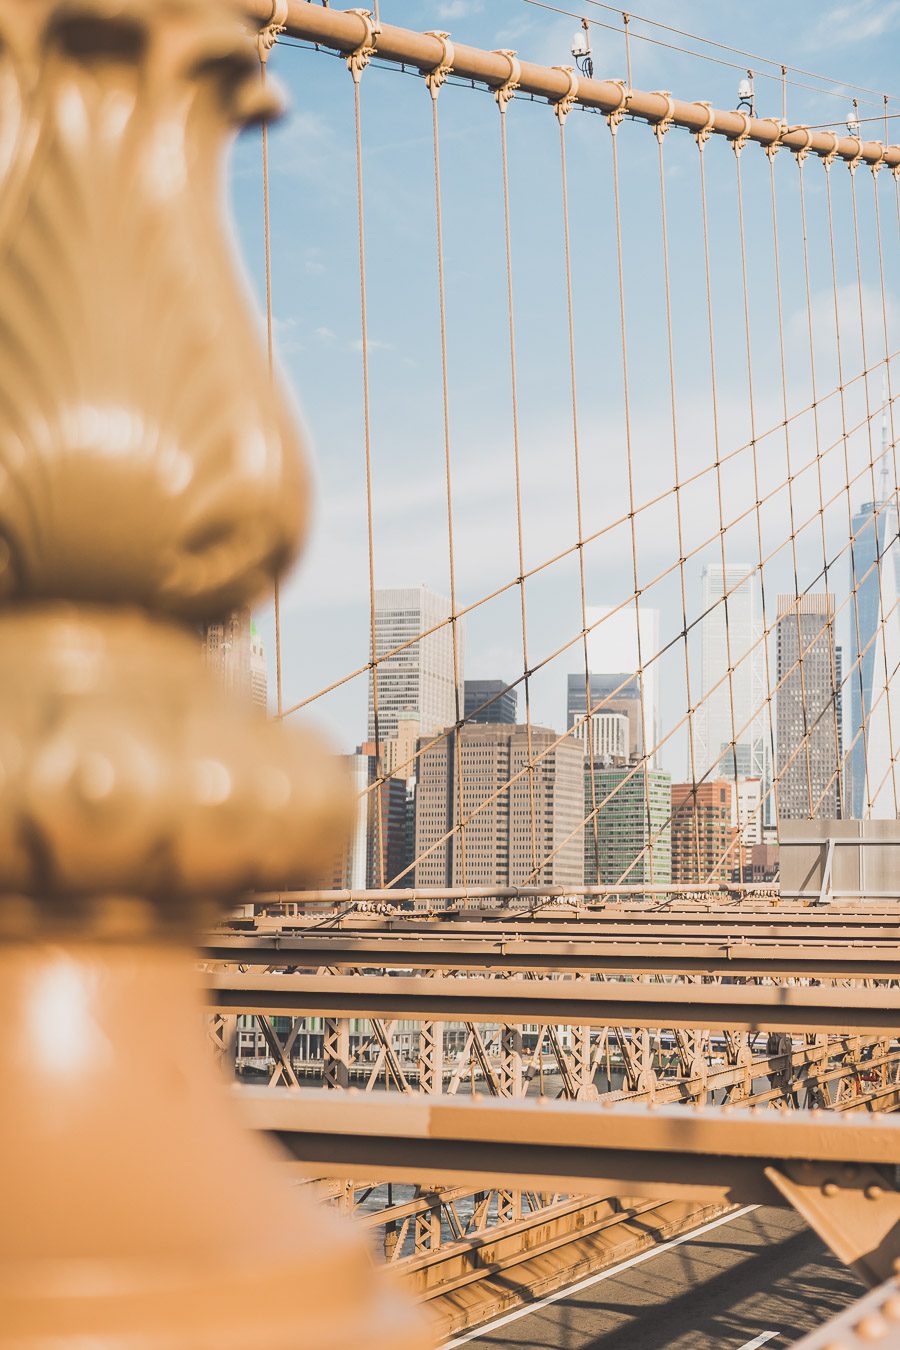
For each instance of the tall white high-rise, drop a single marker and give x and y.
(715, 728)
(613, 646)
(416, 683)
(874, 709)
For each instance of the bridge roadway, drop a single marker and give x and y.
(756, 1278)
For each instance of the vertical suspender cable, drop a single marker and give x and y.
(503, 96)
(356, 64)
(434, 80)
(875, 500)
(562, 110)
(679, 522)
(720, 501)
(895, 541)
(844, 438)
(645, 741)
(837, 777)
(270, 347)
(770, 152)
(751, 407)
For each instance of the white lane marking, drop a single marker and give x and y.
(759, 1340)
(606, 1275)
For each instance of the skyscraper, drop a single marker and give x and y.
(498, 845)
(714, 728)
(418, 680)
(236, 656)
(705, 836)
(808, 736)
(616, 693)
(612, 645)
(496, 694)
(605, 736)
(259, 674)
(874, 713)
(378, 847)
(633, 836)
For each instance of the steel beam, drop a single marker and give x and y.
(347, 31)
(563, 1002)
(430, 950)
(698, 1153)
(872, 1320)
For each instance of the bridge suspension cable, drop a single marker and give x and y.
(807, 492)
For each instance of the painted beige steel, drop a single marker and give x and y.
(700, 1153)
(148, 474)
(860, 1222)
(563, 1002)
(873, 1320)
(347, 31)
(509, 951)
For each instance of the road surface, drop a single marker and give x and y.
(758, 1279)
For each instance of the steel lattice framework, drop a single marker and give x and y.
(707, 992)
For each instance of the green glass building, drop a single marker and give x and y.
(634, 823)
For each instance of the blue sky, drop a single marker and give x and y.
(316, 307)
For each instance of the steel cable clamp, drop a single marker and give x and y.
(703, 135)
(504, 92)
(853, 163)
(563, 106)
(435, 77)
(829, 158)
(740, 140)
(662, 124)
(616, 116)
(268, 34)
(771, 148)
(359, 57)
(802, 151)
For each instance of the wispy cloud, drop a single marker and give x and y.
(459, 9)
(862, 21)
(287, 337)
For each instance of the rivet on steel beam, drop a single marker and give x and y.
(873, 1192)
(872, 1328)
(830, 1188)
